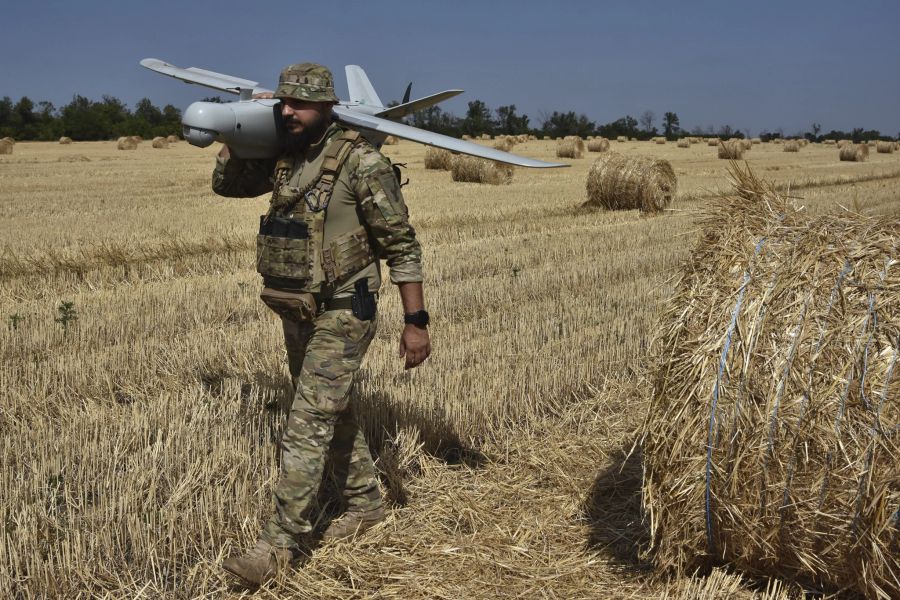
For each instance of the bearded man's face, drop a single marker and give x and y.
(305, 122)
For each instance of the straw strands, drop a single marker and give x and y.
(569, 149)
(854, 152)
(598, 145)
(771, 441)
(438, 158)
(477, 170)
(617, 182)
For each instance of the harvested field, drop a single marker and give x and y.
(803, 420)
(140, 435)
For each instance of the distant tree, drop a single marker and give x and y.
(816, 128)
(626, 126)
(437, 120)
(510, 123)
(562, 124)
(670, 125)
(646, 120)
(478, 119)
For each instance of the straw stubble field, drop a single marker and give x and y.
(138, 439)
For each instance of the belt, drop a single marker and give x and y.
(327, 304)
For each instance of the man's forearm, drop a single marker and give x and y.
(412, 296)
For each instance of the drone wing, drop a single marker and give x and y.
(385, 127)
(408, 108)
(210, 79)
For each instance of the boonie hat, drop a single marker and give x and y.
(306, 81)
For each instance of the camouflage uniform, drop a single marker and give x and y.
(324, 353)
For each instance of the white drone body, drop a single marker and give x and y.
(252, 127)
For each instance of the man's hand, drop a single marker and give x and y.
(415, 345)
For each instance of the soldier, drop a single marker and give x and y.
(336, 208)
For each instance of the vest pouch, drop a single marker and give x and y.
(347, 254)
(293, 306)
(282, 248)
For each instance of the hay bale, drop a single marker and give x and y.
(684, 143)
(391, 140)
(830, 142)
(732, 150)
(160, 143)
(755, 141)
(126, 143)
(6, 147)
(136, 138)
(65, 140)
(503, 143)
(172, 139)
(622, 138)
(771, 440)
(9, 140)
(438, 158)
(659, 140)
(792, 146)
(467, 137)
(485, 136)
(617, 182)
(598, 145)
(885, 147)
(842, 143)
(568, 149)
(713, 142)
(803, 142)
(854, 152)
(477, 170)
(579, 143)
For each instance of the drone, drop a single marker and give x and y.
(252, 128)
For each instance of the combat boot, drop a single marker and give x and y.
(352, 523)
(260, 564)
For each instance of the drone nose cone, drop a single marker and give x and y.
(204, 122)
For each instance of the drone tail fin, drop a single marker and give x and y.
(361, 90)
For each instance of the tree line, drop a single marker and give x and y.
(109, 118)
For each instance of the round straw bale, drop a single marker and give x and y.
(391, 140)
(6, 147)
(160, 142)
(854, 152)
(598, 145)
(713, 142)
(137, 139)
(803, 142)
(830, 142)
(842, 143)
(771, 441)
(466, 137)
(732, 149)
(755, 141)
(172, 139)
(126, 143)
(65, 140)
(438, 158)
(9, 140)
(684, 143)
(579, 143)
(792, 146)
(659, 140)
(503, 143)
(485, 136)
(477, 170)
(885, 147)
(622, 138)
(778, 141)
(568, 149)
(617, 182)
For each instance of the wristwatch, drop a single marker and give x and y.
(419, 318)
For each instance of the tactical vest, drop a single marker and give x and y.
(290, 249)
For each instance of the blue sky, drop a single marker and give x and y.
(752, 65)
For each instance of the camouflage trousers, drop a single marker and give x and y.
(322, 442)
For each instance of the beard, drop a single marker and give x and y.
(297, 143)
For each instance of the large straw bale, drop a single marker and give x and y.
(477, 170)
(438, 158)
(126, 143)
(6, 147)
(503, 143)
(160, 142)
(885, 147)
(485, 136)
(842, 143)
(755, 141)
(854, 152)
(830, 142)
(137, 139)
(466, 137)
(659, 140)
(65, 140)
(9, 140)
(803, 142)
(598, 145)
(172, 139)
(568, 149)
(684, 143)
(616, 182)
(622, 138)
(712, 142)
(732, 149)
(778, 141)
(771, 441)
(579, 143)
(792, 146)
(391, 140)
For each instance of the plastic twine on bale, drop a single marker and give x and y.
(715, 395)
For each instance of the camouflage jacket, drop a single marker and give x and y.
(366, 192)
